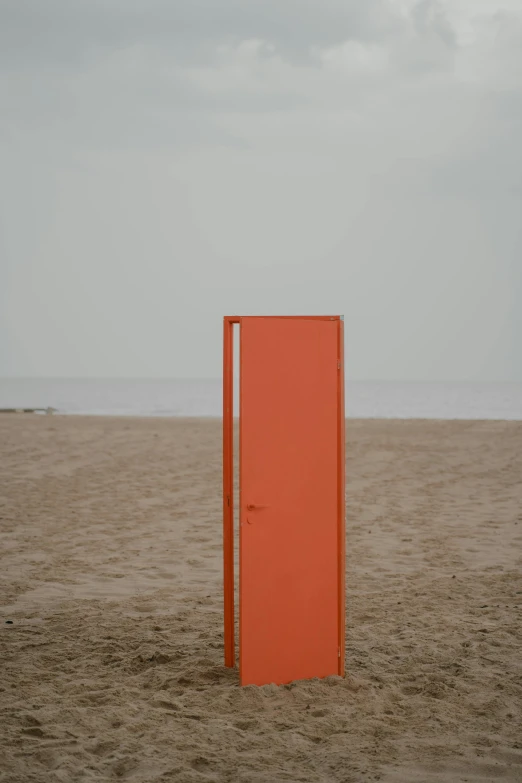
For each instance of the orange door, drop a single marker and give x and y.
(291, 499)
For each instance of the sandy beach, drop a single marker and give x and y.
(111, 610)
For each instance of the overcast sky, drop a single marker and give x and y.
(166, 162)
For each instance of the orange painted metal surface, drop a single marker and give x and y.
(291, 498)
(228, 495)
(341, 498)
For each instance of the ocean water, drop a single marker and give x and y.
(169, 397)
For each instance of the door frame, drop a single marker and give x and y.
(228, 479)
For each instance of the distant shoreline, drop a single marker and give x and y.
(185, 398)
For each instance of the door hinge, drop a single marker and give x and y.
(338, 365)
(338, 652)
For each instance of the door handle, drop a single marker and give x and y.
(253, 507)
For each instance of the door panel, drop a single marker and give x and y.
(290, 598)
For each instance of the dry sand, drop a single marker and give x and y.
(111, 573)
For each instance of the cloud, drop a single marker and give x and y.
(358, 155)
(70, 30)
(128, 71)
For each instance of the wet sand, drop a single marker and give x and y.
(112, 667)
